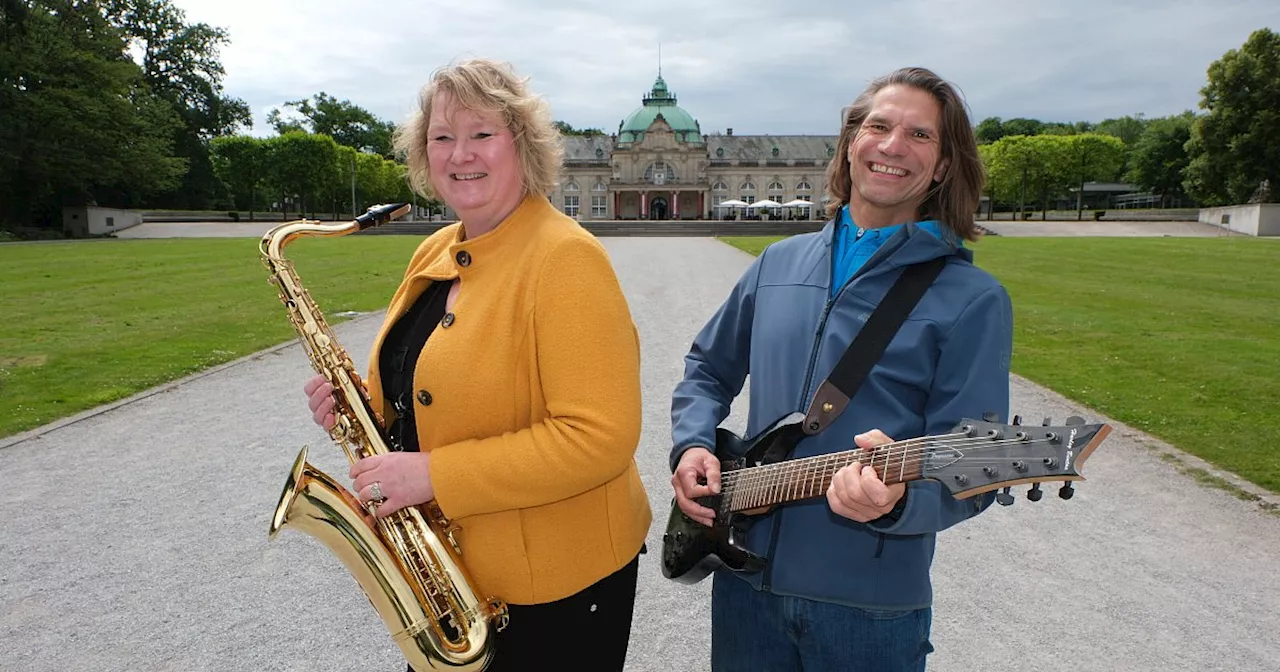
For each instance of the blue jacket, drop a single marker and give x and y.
(950, 360)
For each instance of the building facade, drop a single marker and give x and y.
(659, 165)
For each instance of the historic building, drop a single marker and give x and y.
(659, 165)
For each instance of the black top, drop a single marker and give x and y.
(398, 356)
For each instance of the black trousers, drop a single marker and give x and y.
(587, 631)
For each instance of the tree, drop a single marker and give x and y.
(1022, 166)
(1235, 146)
(348, 124)
(180, 62)
(1090, 157)
(80, 123)
(989, 130)
(1159, 156)
(240, 161)
(302, 165)
(1020, 126)
(566, 129)
(1127, 128)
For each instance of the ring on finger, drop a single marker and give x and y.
(375, 493)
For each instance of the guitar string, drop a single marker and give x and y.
(886, 449)
(771, 484)
(765, 475)
(747, 489)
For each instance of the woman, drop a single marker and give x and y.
(508, 373)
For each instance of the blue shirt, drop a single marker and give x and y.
(853, 246)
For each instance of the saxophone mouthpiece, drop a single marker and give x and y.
(381, 214)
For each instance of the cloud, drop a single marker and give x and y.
(758, 66)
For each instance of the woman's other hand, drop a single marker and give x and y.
(320, 399)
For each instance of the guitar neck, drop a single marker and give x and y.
(793, 480)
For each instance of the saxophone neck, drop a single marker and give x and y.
(381, 214)
(277, 238)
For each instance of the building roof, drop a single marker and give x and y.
(659, 102)
(580, 149)
(817, 148)
(771, 147)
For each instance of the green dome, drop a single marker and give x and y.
(660, 101)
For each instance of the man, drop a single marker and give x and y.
(847, 581)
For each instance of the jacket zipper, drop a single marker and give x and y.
(766, 582)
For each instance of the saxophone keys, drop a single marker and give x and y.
(448, 533)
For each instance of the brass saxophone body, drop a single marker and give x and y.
(407, 563)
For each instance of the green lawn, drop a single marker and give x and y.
(85, 323)
(1179, 337)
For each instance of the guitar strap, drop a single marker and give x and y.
(865, 350)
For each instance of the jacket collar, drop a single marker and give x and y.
(507, 238)
(909, 244)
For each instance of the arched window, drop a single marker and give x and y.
(747, 186)
(572, 186)
(599, 186)
(803, 186)
(775, 191)
(720, 186)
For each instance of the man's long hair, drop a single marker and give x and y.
(955, 199)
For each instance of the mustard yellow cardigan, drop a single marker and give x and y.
(527, 396)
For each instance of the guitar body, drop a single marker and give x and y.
(691, 550)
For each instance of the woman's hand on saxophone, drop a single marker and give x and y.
(320, 398)
(404, 479)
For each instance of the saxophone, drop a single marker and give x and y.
(408, 563)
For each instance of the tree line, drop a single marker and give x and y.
(121, 103)
(329, 155)
(1228, 153)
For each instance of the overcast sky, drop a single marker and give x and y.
(757, 66)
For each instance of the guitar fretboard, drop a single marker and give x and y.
(805, 478)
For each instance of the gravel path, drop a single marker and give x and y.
(134, 536)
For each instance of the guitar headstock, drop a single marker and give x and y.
(979, 456)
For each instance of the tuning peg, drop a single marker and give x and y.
(1047, 422)
(990, 417)
(1004, 498)
(1074, 420)
(1017, 420)
(1067, 490)
(1034, 494)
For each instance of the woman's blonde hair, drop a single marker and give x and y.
(482, 85)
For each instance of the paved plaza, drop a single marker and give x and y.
(134, 537)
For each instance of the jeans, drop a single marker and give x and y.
(761, 632)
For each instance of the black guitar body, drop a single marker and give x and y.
(691, 550)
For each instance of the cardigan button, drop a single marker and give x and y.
(447, 321)
(463, 257)
(424, 397)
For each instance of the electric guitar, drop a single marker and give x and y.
(976, 456)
